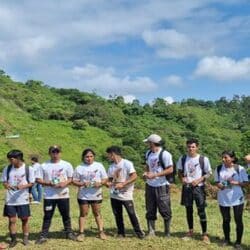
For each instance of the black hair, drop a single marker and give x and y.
(191, 141)
(231, 154)
(16, 154)
(34, 158)
(86, 151)
(114, 149)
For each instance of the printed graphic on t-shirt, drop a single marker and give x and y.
(154, 163)
(191, 169)
(17, 180)
(57, 176)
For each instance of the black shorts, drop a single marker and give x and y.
(21, 211)
(190, 194)
(88, 202)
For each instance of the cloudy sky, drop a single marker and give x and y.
(140, 49)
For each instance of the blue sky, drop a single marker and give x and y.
(138, 49)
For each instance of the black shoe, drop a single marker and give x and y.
(41, 240)
(71, 236)
(12, 243)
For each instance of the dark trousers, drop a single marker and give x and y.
(197, 194)
(158, 197)
(49, 208)
(238, 212)
(118, 213)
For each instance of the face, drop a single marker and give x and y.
(192, 149)
(110, 156)
(227, 159)
(89, 158)
(55, 155)
(13, 161)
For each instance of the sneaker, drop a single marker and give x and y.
(206, 239)
(80, 237)
(102, 235)
(238, 246)
(151, 234)
(12, 243)
(41, 240)
(225, 243)
(26, 241)
(35, 202)
(188, 235)
(71, 236)
(140, 235)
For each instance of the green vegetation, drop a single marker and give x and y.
(42, 115)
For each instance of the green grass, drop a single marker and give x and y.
(178, 228)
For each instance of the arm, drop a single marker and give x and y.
(131, 179)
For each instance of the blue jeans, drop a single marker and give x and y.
(36, 192)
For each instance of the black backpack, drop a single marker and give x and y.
(201, 162)
(170, 177)
(27, 174)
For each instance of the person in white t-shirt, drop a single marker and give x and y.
(193, 170)
(89, 178)
(36, 190)
(55, 175)
(230, 178)
(157, 195)
(247, 160)
(17, 178)
(122, 176)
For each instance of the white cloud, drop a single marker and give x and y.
(223, 68)
(105, 81)
(173, 80)
(172, 44)
(129, 98)
(169, 99)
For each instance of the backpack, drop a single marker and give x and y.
(27, 174)
(201, 162)
(170, 177)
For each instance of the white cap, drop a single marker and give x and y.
(153, 138)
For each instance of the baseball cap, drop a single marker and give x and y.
(153, 138)
(55, 148)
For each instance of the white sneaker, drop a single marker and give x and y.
(35, 202)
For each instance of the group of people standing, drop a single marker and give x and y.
(56, 175)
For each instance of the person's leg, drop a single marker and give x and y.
(129, 205)
(200, 200)
(238, 213)
(164, 206)
(48, 209)
(84, 210)
(64, 209)
(39, 192)
(190, 220)
(96, 209)
(25, 228)
(13, 231)
(225, 212)
(151, 208)
(34, 192)
(117, 211)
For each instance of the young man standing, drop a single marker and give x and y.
(193, 170)
(17, 179)
(157, 186)
(36, 190)
(122, 176)
(55, 176)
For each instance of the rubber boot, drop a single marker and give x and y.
(151, 228)
(167, 227)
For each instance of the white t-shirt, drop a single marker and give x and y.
(36, 166)
(233, 194)
(192, 168)
(91, 173)
(153, 163)
(55, 172)
(120, 173)
(17, 176)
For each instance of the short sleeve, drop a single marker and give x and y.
(167, 159)
(76, 175)
(70, 171)
(4, 175)
(103, 172)
(216, 177)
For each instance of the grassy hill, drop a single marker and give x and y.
(42, 116)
